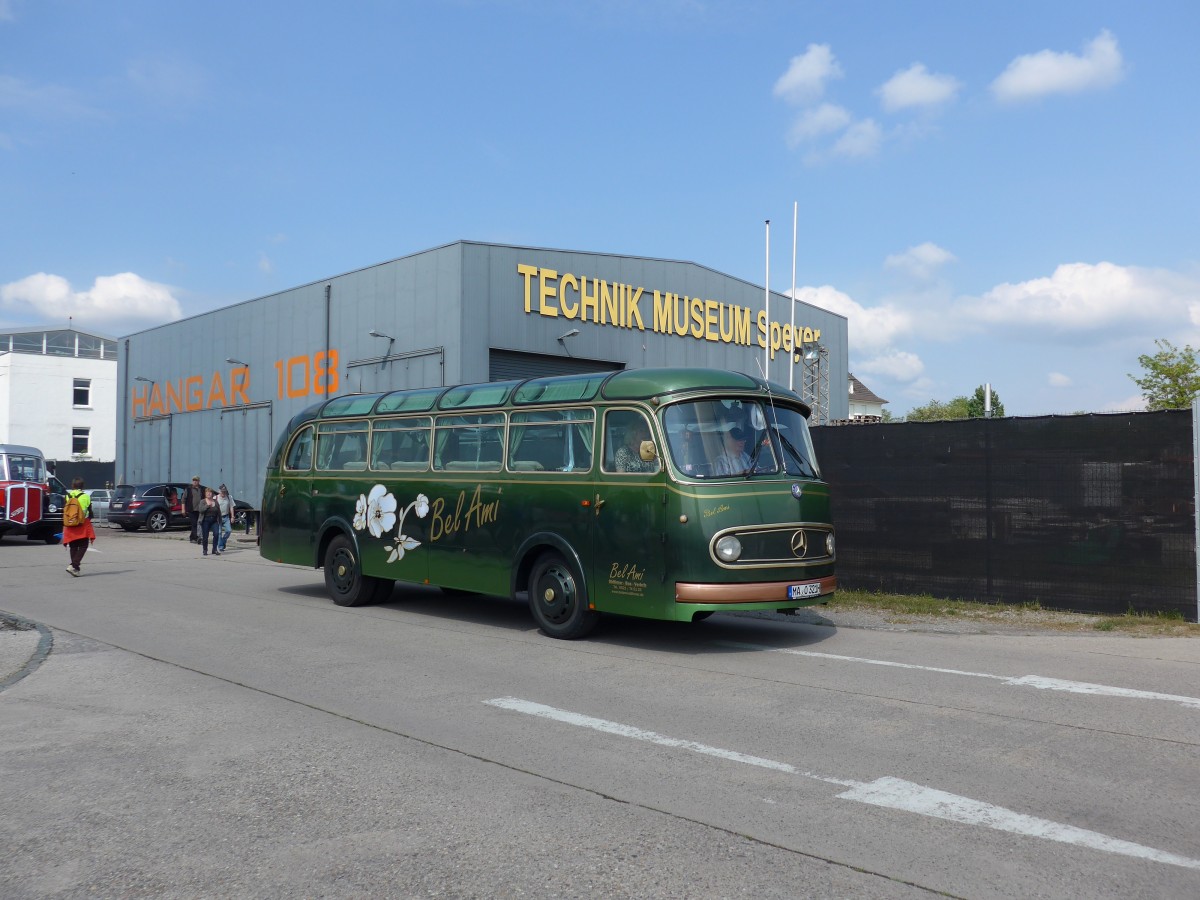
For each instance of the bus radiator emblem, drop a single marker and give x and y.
(797, 490)
(799, 544)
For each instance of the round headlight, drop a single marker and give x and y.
(729, 548)
(829, 544)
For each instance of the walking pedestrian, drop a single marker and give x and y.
(78, 533)
(225, 502)
(192, 497)
(210, 521)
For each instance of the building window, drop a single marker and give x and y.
(81, 441)
(83, 392)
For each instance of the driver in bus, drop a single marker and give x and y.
(734, 460)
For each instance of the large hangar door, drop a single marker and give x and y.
(508, 364)
(148, 451)
(247, 438)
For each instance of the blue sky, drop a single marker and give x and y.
(991, 192)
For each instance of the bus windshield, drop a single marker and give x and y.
(739, 438)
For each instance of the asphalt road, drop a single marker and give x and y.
(218, 728)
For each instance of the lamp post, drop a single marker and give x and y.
(237, 362)
(562, 339)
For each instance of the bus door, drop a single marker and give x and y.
(628, 556)
(470, 537)
(288, 509)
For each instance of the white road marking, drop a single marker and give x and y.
(1034, 681)
(892, 793)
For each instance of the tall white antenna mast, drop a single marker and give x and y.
(793, 354)
(767, 304)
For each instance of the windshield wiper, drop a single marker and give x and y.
(754, 456)
(805, 468)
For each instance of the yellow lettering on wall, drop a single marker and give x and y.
(618, 305)
(608, 307)
(696, 307)
(568, 280)
(632, 310)
(589, 301)
(547, 291)
(527, 272)
(663, 319)
(710, 320)
(139, 403)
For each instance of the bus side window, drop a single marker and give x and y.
(583, 446)
(299, 457)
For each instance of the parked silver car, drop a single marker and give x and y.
(100, 498)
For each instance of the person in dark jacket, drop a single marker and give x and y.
(210, 522)
(192, 498)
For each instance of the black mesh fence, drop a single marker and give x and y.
(1092, 513)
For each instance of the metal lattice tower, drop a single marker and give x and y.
(814, 384)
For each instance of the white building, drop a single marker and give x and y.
(865, 405)
(58, 392)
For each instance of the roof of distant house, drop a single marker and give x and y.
(861, 393)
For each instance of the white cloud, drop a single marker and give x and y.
(871, 330)
(1135, 403)
(804, 81)
(42, 100)
(1058, 380)
(899, 365)
(1081, 297)
(860, 139)
(114, 301)
(915, 86)
(1047, 72)
(813, 123)
(921, 261)
(167, 81)
(264, 263)
(6, 13)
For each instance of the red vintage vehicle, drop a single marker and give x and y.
(31, 499)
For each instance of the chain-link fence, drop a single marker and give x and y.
(1092, 513)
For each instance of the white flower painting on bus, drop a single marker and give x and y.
(376, 512)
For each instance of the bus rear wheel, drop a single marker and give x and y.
(558, 601)
(344, 580)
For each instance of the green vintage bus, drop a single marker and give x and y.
(661, 493)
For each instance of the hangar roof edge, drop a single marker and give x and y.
(450, 245)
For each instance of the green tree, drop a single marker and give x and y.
(975, 404)
(936, 411)
(1171, 377)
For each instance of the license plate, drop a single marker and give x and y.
(800, 591)
(117, 506)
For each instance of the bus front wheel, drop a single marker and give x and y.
(344, 580)
(558, 601)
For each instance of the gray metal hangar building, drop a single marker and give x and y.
(209, 395)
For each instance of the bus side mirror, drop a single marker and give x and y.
(647, 451)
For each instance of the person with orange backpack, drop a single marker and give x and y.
(78, 533)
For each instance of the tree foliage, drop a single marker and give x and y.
(975, 404)
(935, 411)
(1171, 377)
(958, 408)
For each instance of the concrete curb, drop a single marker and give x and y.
(24, 645)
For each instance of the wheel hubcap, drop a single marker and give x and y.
(557, 590)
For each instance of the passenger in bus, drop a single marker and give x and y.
(735, 460)
(628, 457)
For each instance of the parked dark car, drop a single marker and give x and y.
(158, 506)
